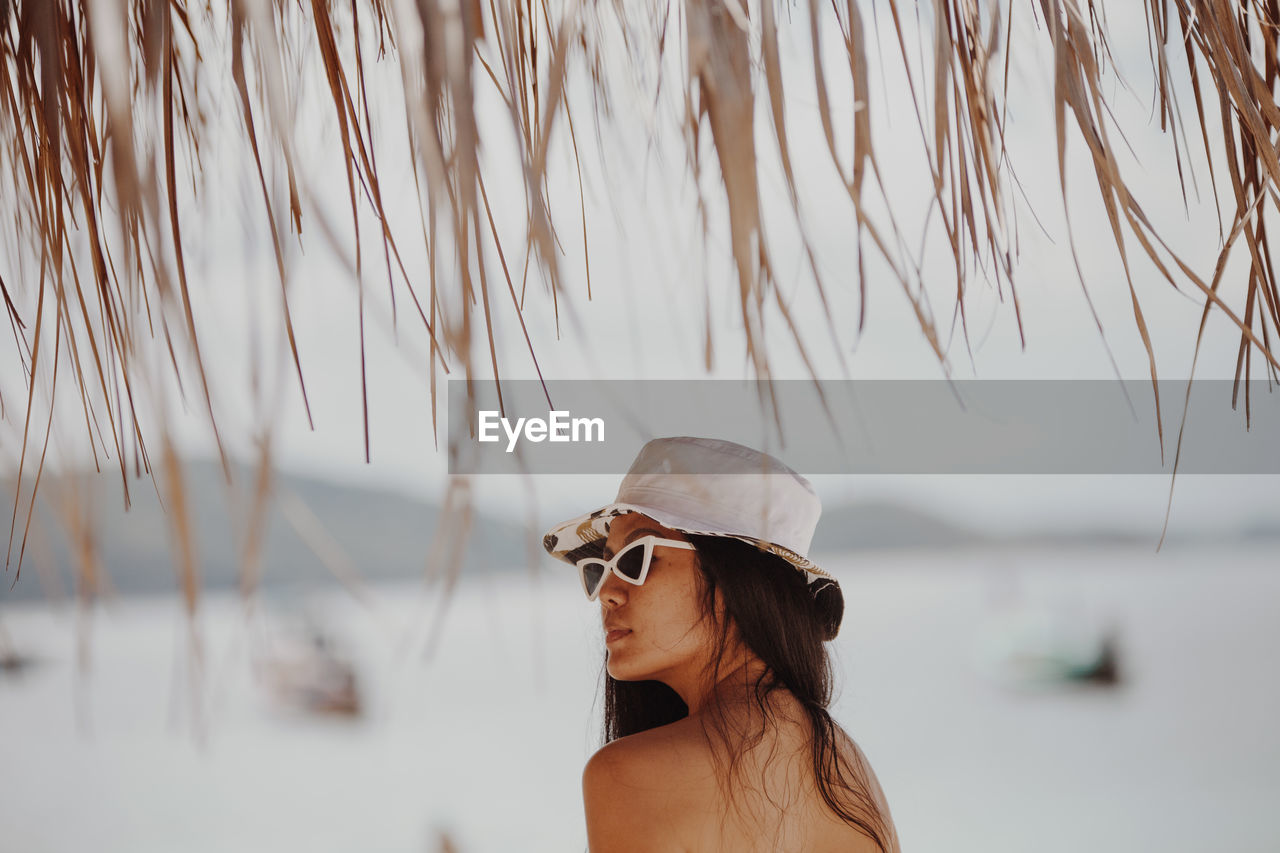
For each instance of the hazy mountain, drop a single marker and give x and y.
(380, 534)
(870, 525)
(385, 536)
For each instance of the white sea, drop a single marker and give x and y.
(140, 730)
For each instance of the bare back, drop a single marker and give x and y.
(670, 774)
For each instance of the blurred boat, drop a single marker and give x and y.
(1041, 647)
(13, 662)
(313, 677)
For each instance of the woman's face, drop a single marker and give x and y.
(654, 631)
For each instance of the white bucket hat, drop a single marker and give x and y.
(718, 488)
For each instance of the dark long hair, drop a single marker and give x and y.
(768, 602)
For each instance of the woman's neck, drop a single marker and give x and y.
(737, 683)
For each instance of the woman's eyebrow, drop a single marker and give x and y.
(608, 552)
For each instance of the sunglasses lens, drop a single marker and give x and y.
(631, 562)
(592, 572)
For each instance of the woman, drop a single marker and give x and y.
(717, 735)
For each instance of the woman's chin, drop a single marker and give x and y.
(619, 670)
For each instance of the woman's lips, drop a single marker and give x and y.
(615, 634)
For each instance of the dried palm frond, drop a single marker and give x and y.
(109, 110)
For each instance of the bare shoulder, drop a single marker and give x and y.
(657, 791)
(854, 754)
(640, 791)
(857, 760)
(656, 759)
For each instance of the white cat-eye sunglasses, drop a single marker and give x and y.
(631, 563)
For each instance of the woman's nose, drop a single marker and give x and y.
(613, 591)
